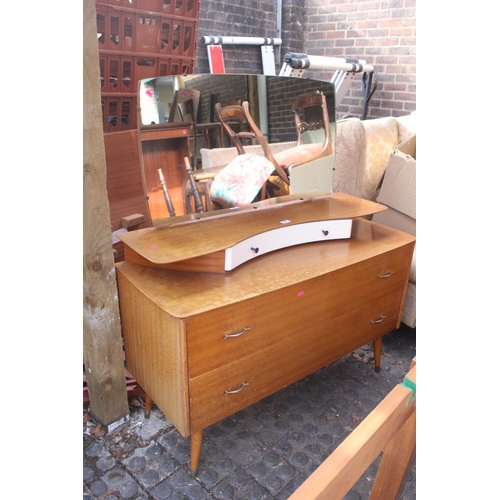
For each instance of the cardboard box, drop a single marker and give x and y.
(398, 189)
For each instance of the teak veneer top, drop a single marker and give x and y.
(183, 294)
(193, 237)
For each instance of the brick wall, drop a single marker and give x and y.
(236, 18)
(383, 33)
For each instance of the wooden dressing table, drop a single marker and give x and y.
(205, 343)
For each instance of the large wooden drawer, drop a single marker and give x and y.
(234, 386)
(229, 333)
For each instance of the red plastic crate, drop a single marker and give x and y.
(119, 113)
(128, 4)
(181, 8)
(150, 5)
(178, 37)
(115, 29)
(120, 74)
(117, 73)
(145, 33)
(149, 67)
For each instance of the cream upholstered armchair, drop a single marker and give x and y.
(362, 152)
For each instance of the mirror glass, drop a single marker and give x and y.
(189, 159)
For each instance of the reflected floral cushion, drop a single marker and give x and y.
(238, 183)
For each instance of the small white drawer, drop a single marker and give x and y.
(286, 236)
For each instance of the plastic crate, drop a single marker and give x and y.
(128, 4)
(117, 73)
(145, 33)
(178, 37)
(149, 67)
(119, 113)
(115, 29)
(182, 8)
(120, 74)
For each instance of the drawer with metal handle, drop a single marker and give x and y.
(228, 333)
(234, 386)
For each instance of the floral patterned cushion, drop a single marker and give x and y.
(238, 183)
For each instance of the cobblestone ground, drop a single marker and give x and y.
(262, 452)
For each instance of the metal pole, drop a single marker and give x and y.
(298, 61)
(262, 93)
(239, 40)
(279, 13)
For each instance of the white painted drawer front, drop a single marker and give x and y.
(286, 236)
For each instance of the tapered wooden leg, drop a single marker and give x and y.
(196, 439)
(148, 406)
(377, 352)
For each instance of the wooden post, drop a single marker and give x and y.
(102, 342)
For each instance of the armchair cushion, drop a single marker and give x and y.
(382, 138)
(350, 157)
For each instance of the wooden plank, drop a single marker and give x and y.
(397, 459)
(340, 471)
(102, 344)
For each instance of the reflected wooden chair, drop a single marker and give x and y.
(242, 130)
(310, 115)
(197, 192)
(235, 124)
(187, 114)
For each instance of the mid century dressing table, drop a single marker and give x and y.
(220, 312)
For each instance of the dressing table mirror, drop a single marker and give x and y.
(184, 145)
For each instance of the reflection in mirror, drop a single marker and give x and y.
(214, 142)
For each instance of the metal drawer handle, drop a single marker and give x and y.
(237, 390)
(239, 334)
(378, 320)
(388, 275)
